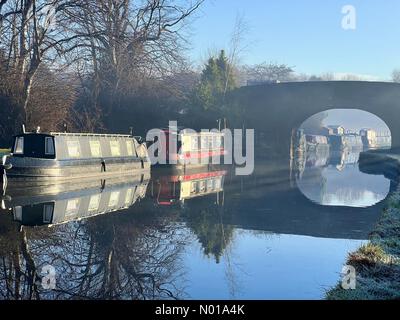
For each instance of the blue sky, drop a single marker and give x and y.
(306, 34)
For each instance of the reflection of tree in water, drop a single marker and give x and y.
(18, 273)
(210, 223)
(213, 233)
(117, 256)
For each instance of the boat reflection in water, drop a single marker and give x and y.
(65, 202)
(177, 186)
(334, 179)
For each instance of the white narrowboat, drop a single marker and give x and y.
(66, 156)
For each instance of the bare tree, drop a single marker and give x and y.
(31, 37)
(237, 47)
(327, 76)
(126, 42)
(111, 46)
(268, 72)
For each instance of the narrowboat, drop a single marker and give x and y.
(74, 201)
(66, 156)
(192, 148)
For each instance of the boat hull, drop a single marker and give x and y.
(26, 169)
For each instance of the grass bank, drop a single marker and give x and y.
(378, 262)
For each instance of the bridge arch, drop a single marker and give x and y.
(277, 109)
(352, 120)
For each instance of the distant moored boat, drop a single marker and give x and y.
(193, 149)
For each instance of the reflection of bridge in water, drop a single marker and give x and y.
(334, 179)
(272, 202)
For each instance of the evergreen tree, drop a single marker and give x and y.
(216, 81)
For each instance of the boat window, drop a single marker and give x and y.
(215, 142)
(94, 203)
(19, 145)
(195, 143)
(114, 199)
(210, 143)
(202, 186)
(129, 196)
(115, 148)
(73, 148)
(210, 185)
(129, 148)
(194, 187)
(72, 208)
(95, 148)
(49, 146)
(204, 143)
(48, 213)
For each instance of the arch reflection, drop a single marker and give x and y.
(327, 152)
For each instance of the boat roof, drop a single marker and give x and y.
(91, 135)
(67, 134)
(189, 132)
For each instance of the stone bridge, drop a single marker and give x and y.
(275, 110)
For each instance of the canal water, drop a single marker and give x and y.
(282, 233)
